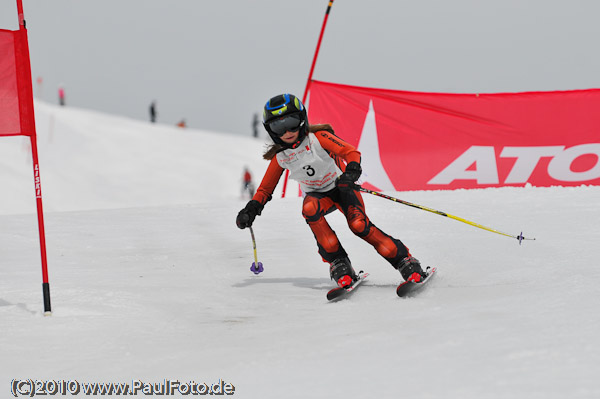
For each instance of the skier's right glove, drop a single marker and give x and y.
(347, 181)
(248, 214)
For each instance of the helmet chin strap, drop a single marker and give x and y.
(303, 133)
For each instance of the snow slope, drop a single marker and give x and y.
(150, 278)
(90, 160)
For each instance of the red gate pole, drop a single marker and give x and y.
(314, 62)
(40, 213)
(28, 127)
(312, 68)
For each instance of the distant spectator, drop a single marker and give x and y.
(40, 87)
(255, 126)
(61, 95)
(247, 185)
(182, 123)
(153, 112)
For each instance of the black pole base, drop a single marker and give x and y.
(47, 307)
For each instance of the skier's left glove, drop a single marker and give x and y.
(347, 181)
(246, 216)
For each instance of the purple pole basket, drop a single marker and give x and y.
(257, 268)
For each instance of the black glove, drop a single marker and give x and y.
(248, 214)
(349, 177)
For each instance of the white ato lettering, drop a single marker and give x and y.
(486, 169)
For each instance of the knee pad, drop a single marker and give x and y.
(358, 222)
(311, 210)
(359, 227)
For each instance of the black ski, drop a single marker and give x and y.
(339, 292)
(409, 288)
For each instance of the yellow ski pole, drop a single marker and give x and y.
(257, 267)
(378, 194)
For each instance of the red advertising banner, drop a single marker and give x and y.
(432, 141)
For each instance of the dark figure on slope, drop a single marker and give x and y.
(152, 111)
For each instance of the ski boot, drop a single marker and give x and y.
(342, 273)
(410, 269)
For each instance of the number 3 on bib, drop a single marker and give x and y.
(309, 170)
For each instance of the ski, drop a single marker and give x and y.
(339, 292)
(409, 288)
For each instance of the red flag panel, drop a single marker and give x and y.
(9, 96)
(430, 141)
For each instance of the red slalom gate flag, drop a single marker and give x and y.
(17, 117)
(9, 98)
(16, 97)
(431, 141)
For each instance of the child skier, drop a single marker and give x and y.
(313, 154)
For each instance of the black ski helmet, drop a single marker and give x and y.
(279, 108)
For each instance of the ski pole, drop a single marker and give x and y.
(378, 194)
(257, 267)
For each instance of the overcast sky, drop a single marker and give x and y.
(215, 63)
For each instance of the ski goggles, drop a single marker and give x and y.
(289, 123)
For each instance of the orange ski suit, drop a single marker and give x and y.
(317, 204)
